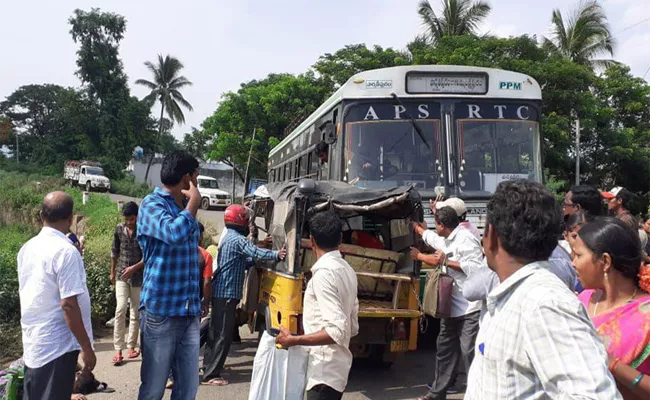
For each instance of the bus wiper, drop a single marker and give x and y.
(415, 125)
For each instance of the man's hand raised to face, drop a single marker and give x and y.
(194, 197)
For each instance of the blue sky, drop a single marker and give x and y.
(223, 43)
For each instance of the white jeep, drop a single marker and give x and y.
(211, 195)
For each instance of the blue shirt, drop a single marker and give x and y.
(235, 256)
(169, 238)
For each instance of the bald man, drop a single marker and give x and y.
(54, 305)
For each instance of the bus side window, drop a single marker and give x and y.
(304, 164)
(296, 173)
(314, 165)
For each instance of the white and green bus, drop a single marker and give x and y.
(444, 129)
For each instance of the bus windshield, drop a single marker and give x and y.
(493, 151)
(384, 153)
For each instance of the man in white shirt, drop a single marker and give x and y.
(461, 211)
(460, 251)
(54, 305)
(330, 312)
(536, 340)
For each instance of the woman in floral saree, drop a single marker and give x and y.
(608, 262)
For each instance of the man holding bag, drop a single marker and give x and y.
(459, 251)
(330, 316)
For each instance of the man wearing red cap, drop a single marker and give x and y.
(236, 255)
(618, 200)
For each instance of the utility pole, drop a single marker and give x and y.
(233, 181)
(17, 150)
(577, 128)
(250, 152)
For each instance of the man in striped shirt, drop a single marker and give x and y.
(536, 340)
(236, 255)
(170, 306)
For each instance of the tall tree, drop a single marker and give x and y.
(583, 36)
(351, 59)
(166, 88)
(267, 106)
(100, 68)
(459, 17)
(197, 143)
(121, 121)
(52, 123)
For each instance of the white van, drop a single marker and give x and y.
(211, 195)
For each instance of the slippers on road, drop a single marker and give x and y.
(118, 359)
(133, 353)
(215, 382)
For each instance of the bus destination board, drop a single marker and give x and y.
(446, 83)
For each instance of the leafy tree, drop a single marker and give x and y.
(583, 37)
(267, 106)
(197, 143)
(351, 59)
(51, 121)
(121, 121)
(166, 88)
(459, 17)
(619, 144)
(98, 35)
(6, 129)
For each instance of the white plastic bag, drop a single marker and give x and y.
(278, 374)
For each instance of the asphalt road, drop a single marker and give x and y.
(406, 379)
(213, 217)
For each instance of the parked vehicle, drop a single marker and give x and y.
(87, 174)
(211, 195)
(376, 243)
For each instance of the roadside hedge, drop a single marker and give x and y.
(20, 200)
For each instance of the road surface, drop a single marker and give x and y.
(213, 217)
(406, 379)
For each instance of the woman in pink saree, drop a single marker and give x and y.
(608, 260)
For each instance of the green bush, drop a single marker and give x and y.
(128, 187)
(10, 340)
(12, 239)
(21, 193)
(11, 344)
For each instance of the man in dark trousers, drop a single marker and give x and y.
(236, 255)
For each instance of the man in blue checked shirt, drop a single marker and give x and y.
(170, 307)
(236, 255)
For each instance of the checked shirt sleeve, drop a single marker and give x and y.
(158, 222)
(256, 253)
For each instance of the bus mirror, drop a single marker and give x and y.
(328, 132)
(307, 186)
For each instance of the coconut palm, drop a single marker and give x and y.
(583, 36)
(459, 17)
(166, 88)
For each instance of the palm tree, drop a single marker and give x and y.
(459, 17)
(166, 88)
(583, 37)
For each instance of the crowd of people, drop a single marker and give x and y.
(549, 302)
